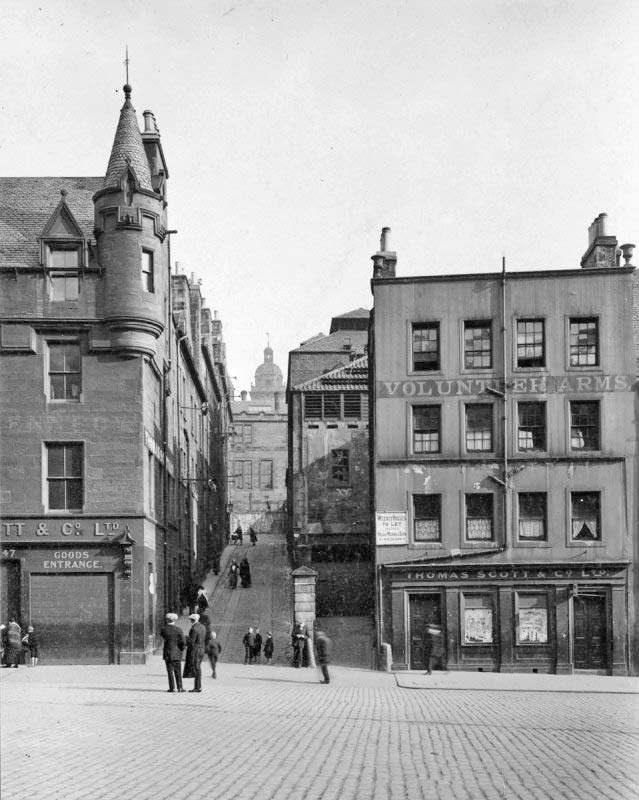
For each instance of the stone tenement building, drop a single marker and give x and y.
(328, 480)
(257, 481)
(505, 464)
(113, 408)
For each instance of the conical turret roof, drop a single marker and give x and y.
(128, 149)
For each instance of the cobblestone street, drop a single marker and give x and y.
(275, 732)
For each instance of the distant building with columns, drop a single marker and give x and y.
(258, 452)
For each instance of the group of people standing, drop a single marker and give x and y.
(253, 643)
(237, 537)
(14, 643)
(201, 640)
(241, 571)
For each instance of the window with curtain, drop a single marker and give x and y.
(532, 516)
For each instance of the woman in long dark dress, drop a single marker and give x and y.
(245, 573)
(233, 573)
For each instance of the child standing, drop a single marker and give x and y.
(268, 648)
(30, 640)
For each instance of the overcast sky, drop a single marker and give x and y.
(294, 130)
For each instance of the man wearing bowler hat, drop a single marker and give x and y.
(195, 652)
(172, 652)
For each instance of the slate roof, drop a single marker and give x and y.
(350, 377)
(128, 148)
(26, 205)
(358, 313)
(334, 342)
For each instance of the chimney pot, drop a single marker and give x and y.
(384, 242)
(602, 221)
(149, 122)
(243, 395)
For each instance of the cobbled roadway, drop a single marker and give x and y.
(275, 732)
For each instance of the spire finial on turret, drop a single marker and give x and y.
(127, 85)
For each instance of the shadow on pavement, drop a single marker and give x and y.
(275, 680)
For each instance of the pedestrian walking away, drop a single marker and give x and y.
(258, 646)
(172, 652)
(245, 573)
(234, 571)
(249, 646)
(30, 642)
(13, 644)
(268, 648)
(213, 651)
(433, 646)
(323, 647)
(195, 652)
(252, 536)
(201, 603)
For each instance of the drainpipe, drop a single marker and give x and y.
(505, 399)
(166, 389)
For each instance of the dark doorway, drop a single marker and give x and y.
(423, 609)
(10, 592)
(591, 632)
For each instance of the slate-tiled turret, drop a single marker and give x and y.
(130, 229)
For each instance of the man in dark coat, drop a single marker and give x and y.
(195, 652)
(258, 646)
(298, 641)
(249, 646)
(245, 573)
(323, 647)
(172, 652)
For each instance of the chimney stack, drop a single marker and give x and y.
(602, 249)
(385, 260)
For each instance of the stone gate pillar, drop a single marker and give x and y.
(304, 580)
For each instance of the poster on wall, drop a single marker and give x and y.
(533, 626)
(478, 626)
(391, 527)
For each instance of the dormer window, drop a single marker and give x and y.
(63, 253)
(64, 265)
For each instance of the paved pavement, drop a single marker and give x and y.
(275, 732)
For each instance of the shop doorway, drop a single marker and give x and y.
(73, 615)
(10, 591)
(590, 632)
(423, 609)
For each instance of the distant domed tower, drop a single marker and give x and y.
(268, 389)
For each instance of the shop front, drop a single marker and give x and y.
(542, 618)
(76, 581)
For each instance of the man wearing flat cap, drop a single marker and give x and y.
(172, 653)
(195, 652)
